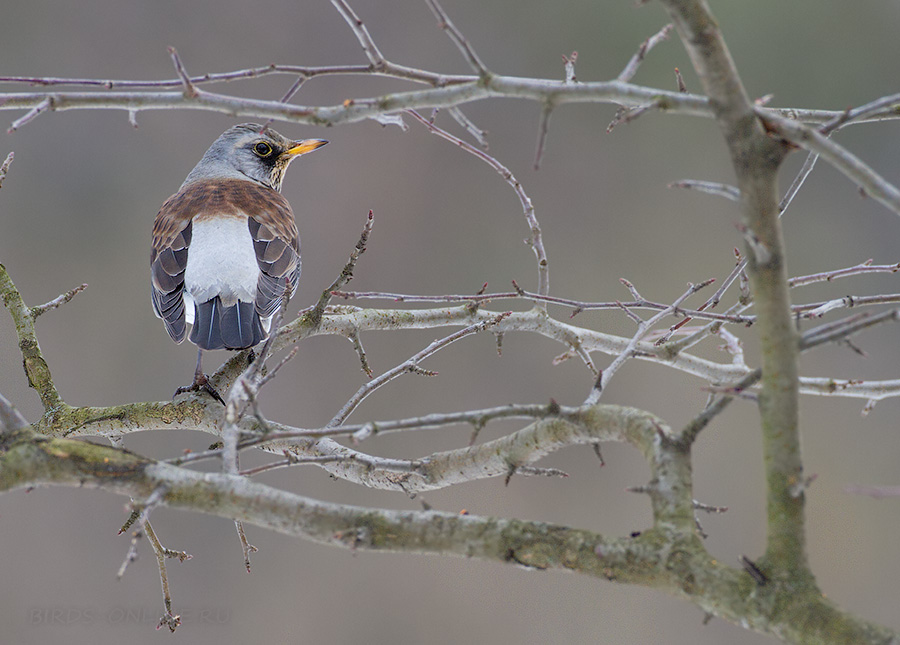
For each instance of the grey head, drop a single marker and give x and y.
(251, 152)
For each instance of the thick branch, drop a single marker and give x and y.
(756, 158)
(662, 557)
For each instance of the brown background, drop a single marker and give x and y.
(78, 207)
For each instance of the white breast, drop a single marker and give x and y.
(221, 262)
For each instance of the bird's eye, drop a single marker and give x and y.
(262, 149)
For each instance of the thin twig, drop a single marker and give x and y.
(131, 555)
(32, 114)
(828, 276)
(808, 164)
(843, 329)
(376, 58)
(292, 90)
(346, 274)
(293, 460)
(477, 133)
(189, 90)
(459, 40)
(11, 419)
(361, 353)
(4, 167)
(58, 301)
(842, 159)
(410, 365)
(569, 66)
(689, 433)
(626, 115)
(365, 430)
(819, 309)
(878, 492)
(246, 547)
(543, 129)
(711, 187)
(644, 327)
(578, 305)
(631, 68)
(168, 619)
(536, 239)
(679, 81)
(885, 102)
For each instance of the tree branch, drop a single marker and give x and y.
(756, 159)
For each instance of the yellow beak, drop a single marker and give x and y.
(307, 145)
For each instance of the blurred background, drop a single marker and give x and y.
(79, 203)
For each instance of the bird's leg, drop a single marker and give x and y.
(201, 382)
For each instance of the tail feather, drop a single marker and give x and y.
(240, 326)
(219, 327)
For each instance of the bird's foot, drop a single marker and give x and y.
(201, 384)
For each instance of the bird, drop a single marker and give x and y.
(225, 248)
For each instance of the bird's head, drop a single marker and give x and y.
(250, 151)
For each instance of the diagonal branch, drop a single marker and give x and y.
(376, 58)
(459, 40)
(536, 240)
(36, 368)
(410, 365)
(842, 159)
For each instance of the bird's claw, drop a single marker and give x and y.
(201, 384)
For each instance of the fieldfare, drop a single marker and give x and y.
(226, 250)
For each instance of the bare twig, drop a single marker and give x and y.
(625, 115)
(679, 81)
(808, 164)
(477, 133)
(410, 365)
(536, 239)
(843, 329)
(376, 58)
(315, 314)
(725, 396)
(131, 555)
(842, 159)
(58, 301)
(4, 167)
(828, 276)
(631, 68)
(713, 188)
(459, 40)
(292, 90)
(29, 116)
(246, 547)
(707, 508)
(361, 353)
(569, 65)
(11, 419)
(861, 112)
(362, 431)
(293, 460)
(644, 327)
(878, 492)
(189, 90)
(578, 305)
(168, 619)
(543, 129)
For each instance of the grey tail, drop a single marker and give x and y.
(219, 327)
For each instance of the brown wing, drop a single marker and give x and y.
(275, 240)
(168, 259)
(272, 227)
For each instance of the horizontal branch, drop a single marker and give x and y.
(355, 110)
(661, 557)
(449, 91)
